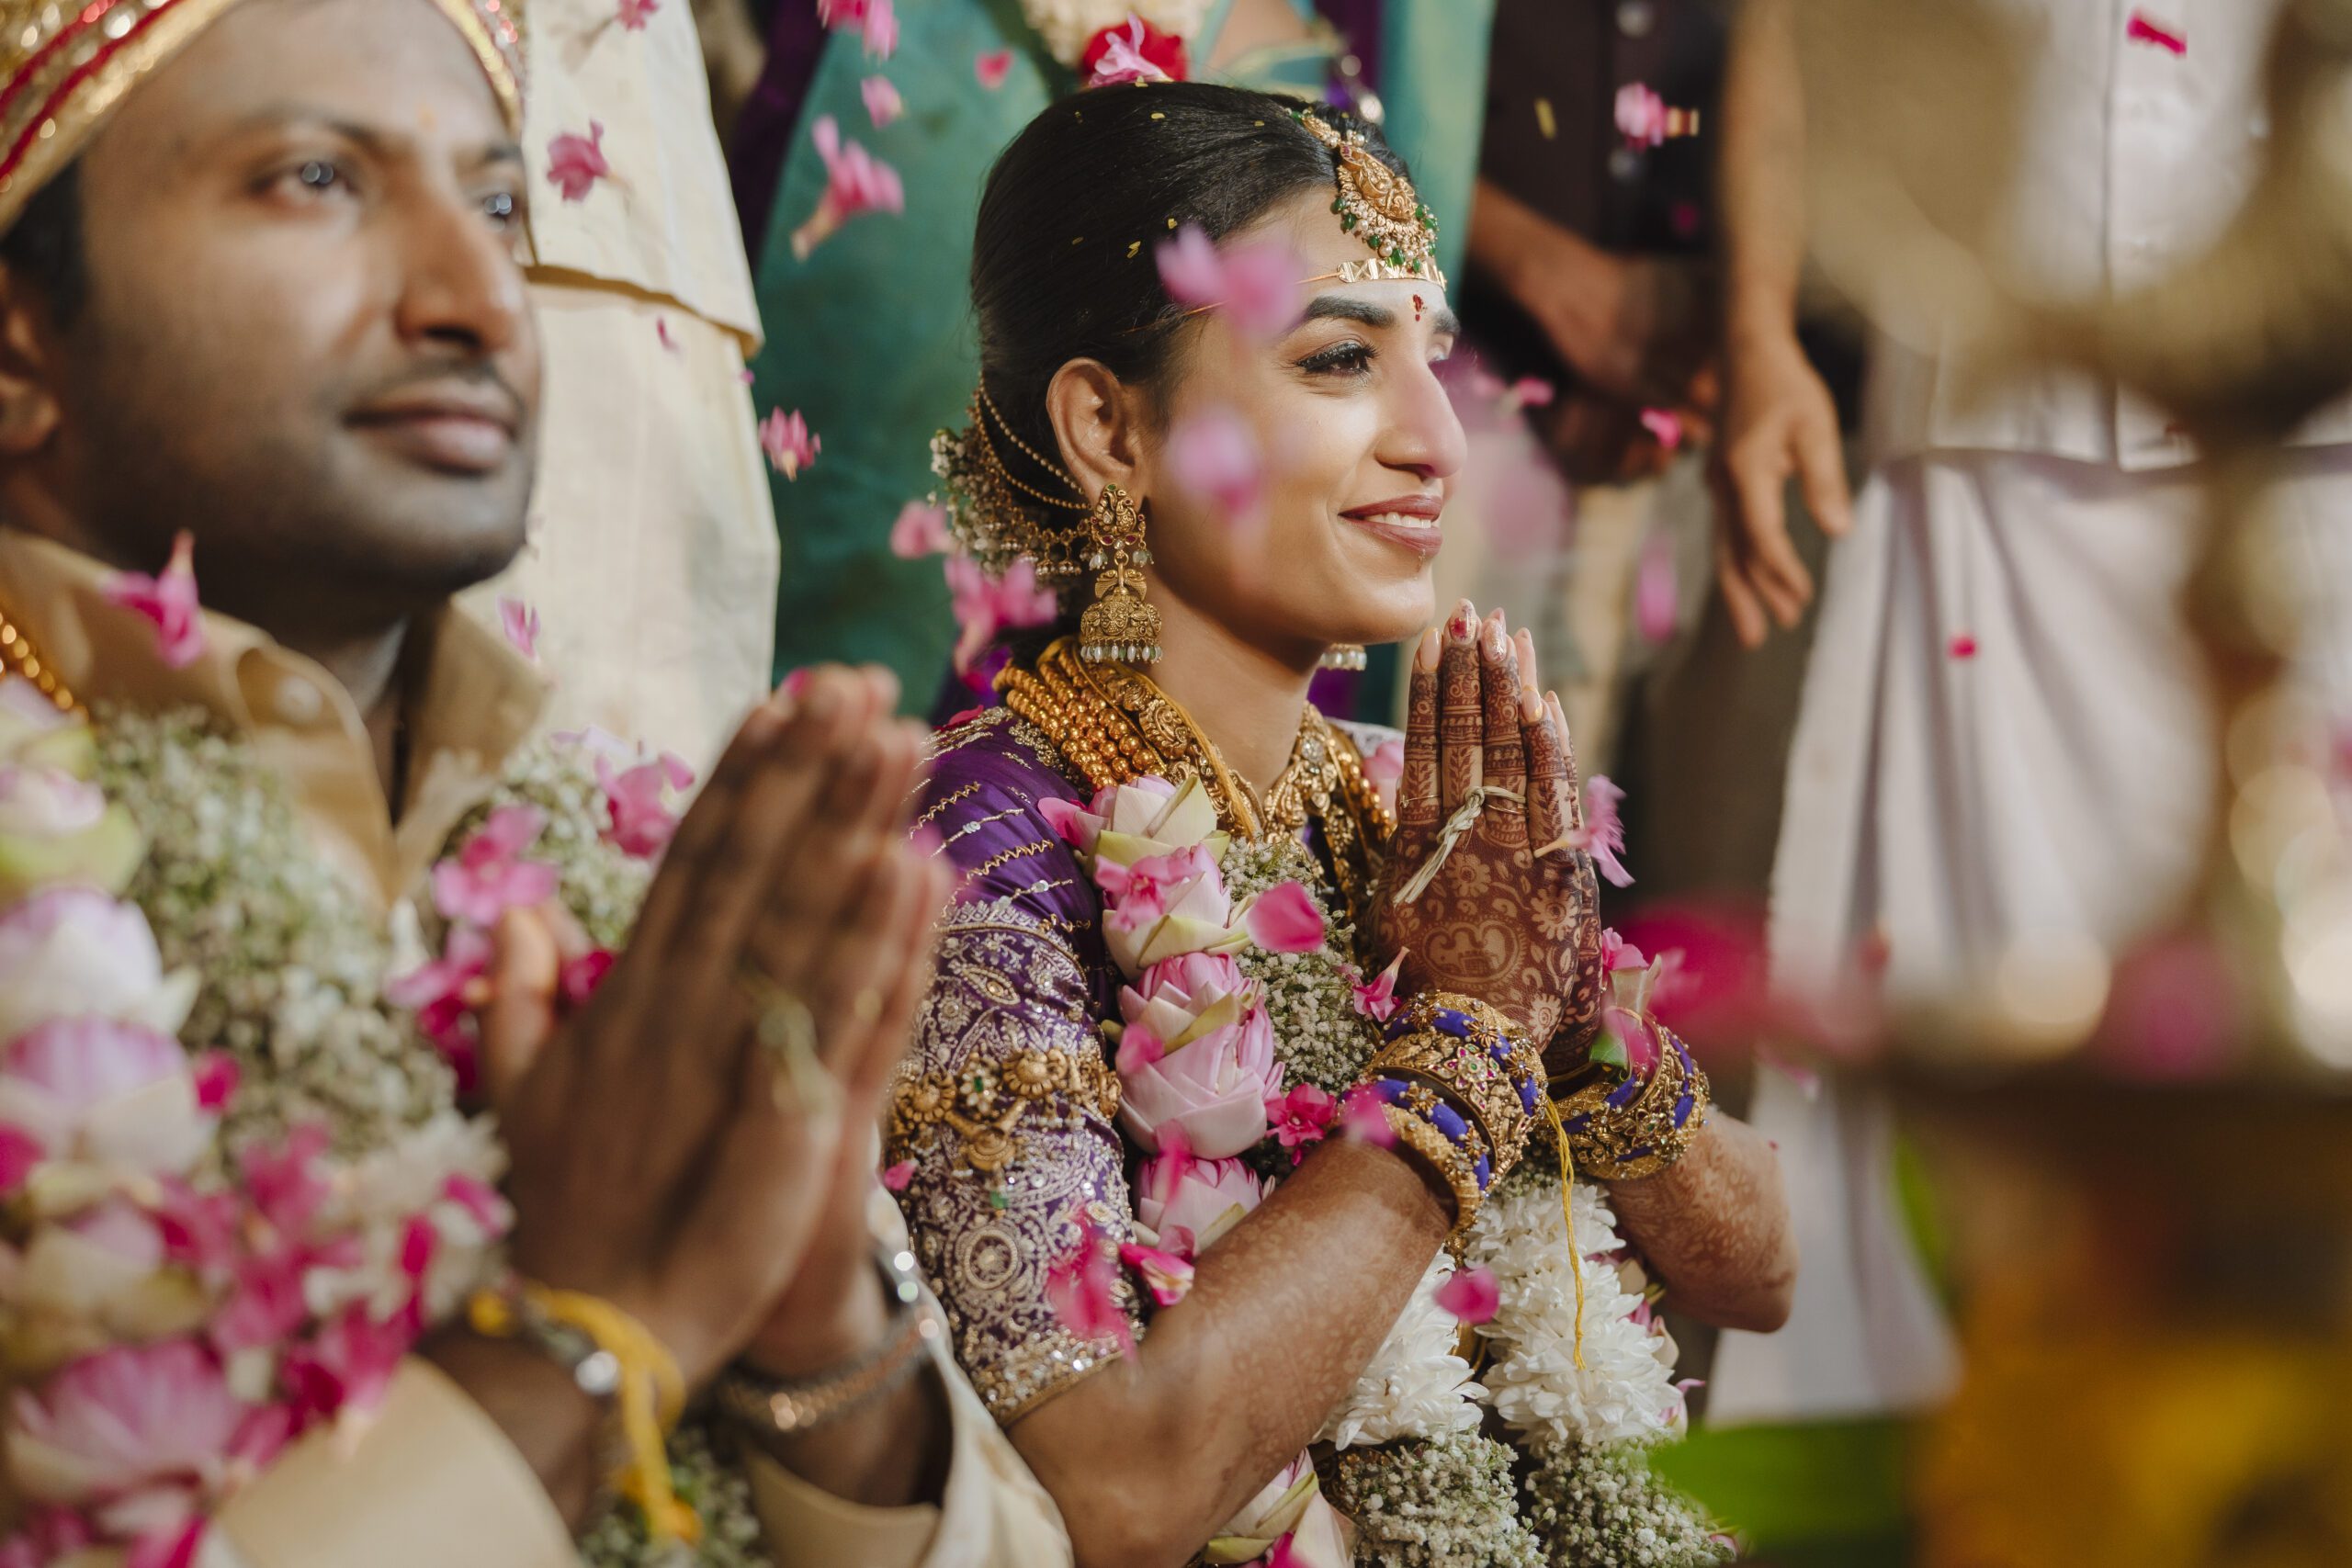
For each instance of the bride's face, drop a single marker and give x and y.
(1358, 446)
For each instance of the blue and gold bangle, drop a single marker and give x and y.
(1467, 1053)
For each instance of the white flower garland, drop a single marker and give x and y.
(1415, 1385)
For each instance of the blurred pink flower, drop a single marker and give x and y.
(1665, 427)
(874, 20)
(1658, 597)
(883, 103)
(1603, 833)
(1471, 1295)
(985, 606)
(1168, 1277)
(1071, 822)
(1284, 919)
(96, 1088)
(578, 980)
(1121, 60)
(993, 68)
(443, 992)
(19, 1152)
(44, 802)
(785, 439)
(855, 182)
(1188, 1204)
(133, 1424)
(920, 530)
(71, 952)
(634, 13)
(1256, 281)
(348, 1365)
(1617, 953)
(1529, 392)
(576, 163)
(521, 625)
(1302, 1119)
(1082, 1290)
(1139, 893)
(489, 876)
(1384, 769)
(1360, 1118)
(168, 599)
(1641, 115)
(640, 820)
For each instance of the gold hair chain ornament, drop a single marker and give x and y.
(1380, 207)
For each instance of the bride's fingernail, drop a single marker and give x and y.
(1495, 641)
(1530, 706)
(1465, 615)
(1425, 657)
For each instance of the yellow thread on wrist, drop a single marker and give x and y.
(1569, 1214)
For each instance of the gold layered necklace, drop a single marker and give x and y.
(1112, 726)
(19, 657)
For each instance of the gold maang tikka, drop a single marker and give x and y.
(1120, 627)
(1378, 206)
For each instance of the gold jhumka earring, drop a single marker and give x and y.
(1119, 628)
(1342, 656)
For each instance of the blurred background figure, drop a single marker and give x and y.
(871, 339)
(649, 578)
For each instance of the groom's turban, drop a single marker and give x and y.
(64, 67)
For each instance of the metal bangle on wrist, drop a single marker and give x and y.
(768, 1407)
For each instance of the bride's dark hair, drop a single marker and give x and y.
(1064, 256)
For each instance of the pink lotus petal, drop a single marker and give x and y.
(1071, 822)
(521, 625)
(217, 1076)
(1531, 392)
(1665, 427)
(640, 820)
(1471, 1295)
(883, 103)
(984, 606)
(1189, 268)
(19, 1152)
(1603, 833)
(993, 69)
(1284, 919)
(576, 163)
(1362, 1118)
(1138, 1048)
(1082, 1290)
(1262, 288)
(1168, 1277)
(579, 979)
(167, 599)
(855, 182)
(634, 13)
(2139, 30)
(785, 439)
(661, 334)
(1658, 597)
(1617, 953)
(1215, 457)
(878, 29)
(898, 1176)
(1377, 998)
(920, 530)
(1962, 646)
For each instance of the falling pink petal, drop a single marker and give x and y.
(746, 376)
(661, 334)
(883, 103)
(576, 163)
(1641, 115)
(1617, 953)
(1121, 60)
(634, 13)
(19, 1152)
(899, 1175)
(785, 439)
(1189, 268)
(920, 530)
(1377, 998)
(1082, 1289)
(1471, 1295)
(1603, 833)
(167, 599)
(1665, 427)
(640, 819)
(488, 876)
(1168, 1277)
(1214, 456)
(993, 69)
(1256, 282)
(878, 29)
(1962, 646)
(1658, 597)
(1531, 392)
(1284, 919)
(1362, 1118)
(521, 625)
(578, 980)
(984, 606)
(855, 182)
(2139, 30)
(217, 1076)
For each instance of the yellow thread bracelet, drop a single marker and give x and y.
(1569, 1214)
(651, 1392)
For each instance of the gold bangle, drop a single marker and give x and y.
(1451, 1164)
(1648, 1132)
(1471, 1052)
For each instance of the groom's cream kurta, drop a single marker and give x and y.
(432, 1482)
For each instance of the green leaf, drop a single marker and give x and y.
(1608, 1051)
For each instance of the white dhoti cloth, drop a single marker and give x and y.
(2056, 779)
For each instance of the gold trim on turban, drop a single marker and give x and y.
(63, 68)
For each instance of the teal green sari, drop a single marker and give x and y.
(870, 337)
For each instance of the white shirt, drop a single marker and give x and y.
(2132, 159)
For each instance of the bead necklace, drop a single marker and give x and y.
(20, 658)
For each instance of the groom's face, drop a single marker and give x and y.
(304, 334)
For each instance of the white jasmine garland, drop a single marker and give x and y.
(1442, 1502)
(1415, 1386)
(1601, 1508)
(1067, 25)
(1625, 1390)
